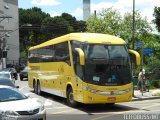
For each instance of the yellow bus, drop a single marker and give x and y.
(85, 68)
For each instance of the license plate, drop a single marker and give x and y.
(111, 98)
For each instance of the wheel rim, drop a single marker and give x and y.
(39, 89)
(34, 87)
(71, 100)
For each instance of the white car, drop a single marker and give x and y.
(8, 75)
(15, 105)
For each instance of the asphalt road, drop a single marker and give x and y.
(57, 108)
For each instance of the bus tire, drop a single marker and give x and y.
(34, 87)
(38, 88)
(70, 98)
(110, 104)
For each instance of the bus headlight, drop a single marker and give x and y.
(89, 89)
(122, 91)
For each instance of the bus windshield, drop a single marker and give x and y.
(107, 64)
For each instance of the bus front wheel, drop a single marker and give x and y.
(70, 98)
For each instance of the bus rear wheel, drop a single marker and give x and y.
(110, 104)
(70, 98)
(38, 88)
(34, 87)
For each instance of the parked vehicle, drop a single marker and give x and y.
(19, 67)
(12, 70)
(7, 75)
(15, 105)
(24, 73)
(7, 82)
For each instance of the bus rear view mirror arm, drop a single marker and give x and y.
(81, 56)
(136, 55)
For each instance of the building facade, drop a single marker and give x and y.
(86, 9)
(9, 32)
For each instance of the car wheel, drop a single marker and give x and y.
(38, 88)
(70, 98)
(21, 78)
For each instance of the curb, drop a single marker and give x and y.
(147, 98)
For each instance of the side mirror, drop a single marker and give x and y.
(81, 56)
(27, 95)
(135, 56)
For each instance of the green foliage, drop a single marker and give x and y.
(54, 27)
(108, 22)
(157, 17)
(141, 26)
(154, 67)
(44, 27)
(33, 16)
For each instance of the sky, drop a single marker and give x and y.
(75, 7)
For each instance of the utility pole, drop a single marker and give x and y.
(3, 53)
(133, 25)
(3, 42)
(133, 39)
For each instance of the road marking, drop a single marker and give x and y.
(48, 102)
(64, 111)
(155, 104)
(117, 113)
(22, 88)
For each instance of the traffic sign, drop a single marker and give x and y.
(147, 51)
(139, 44)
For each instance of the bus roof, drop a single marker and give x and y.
(83, 37)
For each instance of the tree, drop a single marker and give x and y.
(157, 17)
(29, 36)
(33, 16)
(75, 26)
(44, 27)
(56, 26)
(108, 22)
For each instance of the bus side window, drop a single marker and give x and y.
(62, 52)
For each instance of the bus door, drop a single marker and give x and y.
(78, 71)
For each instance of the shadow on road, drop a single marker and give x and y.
(91, 109)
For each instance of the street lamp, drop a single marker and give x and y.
(4, 45)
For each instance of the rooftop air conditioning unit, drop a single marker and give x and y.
(6, 6)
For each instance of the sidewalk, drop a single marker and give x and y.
(152, 94)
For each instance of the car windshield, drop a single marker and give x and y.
(7, 94)
(4, 75)
(7, 82)
(25, 69)
(8, 70)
